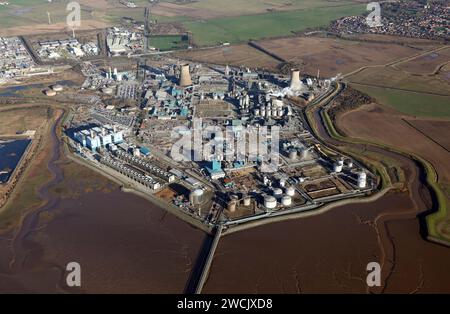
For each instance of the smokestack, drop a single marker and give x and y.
(185, 76)
(296, 84)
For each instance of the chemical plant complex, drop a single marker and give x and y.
(220, 146)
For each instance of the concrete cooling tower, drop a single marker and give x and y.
(296, 84)
(185, 76)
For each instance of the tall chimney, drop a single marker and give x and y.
(296, 84)
(185, 76)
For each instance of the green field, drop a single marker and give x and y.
(244, 28)
(411, 103)
(169, 42)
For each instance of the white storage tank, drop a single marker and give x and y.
(286, 200)
(290, 191)
(362, 180)
(270, 202)
(247, 201)
(196, 197)
(277, 192)
(293, 154)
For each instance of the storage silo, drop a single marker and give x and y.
(247, 201)
(277, 192)
(270, 202)
(286, 200)
(362, 180)
(290, 191)
(293, 154)
(196, 197)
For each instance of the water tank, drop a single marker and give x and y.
(232, 206)
(270, 202)
(293, 154)
(362, 180)
(57, 88)
(290, 191)
(304, 153)
(50, 93)
(196, 197)
(350, 163)
(247, 201)
(286, 200)
(277, 192)
(338, 166)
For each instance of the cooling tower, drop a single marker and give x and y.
(185, 76)
(296, 84)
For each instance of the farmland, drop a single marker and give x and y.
(411, 103)
(236, 55)
(254, 27)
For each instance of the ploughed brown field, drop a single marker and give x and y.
(236, 55)
(384, 125)
(427, 64)
(333, 56)
(52, 28)
(438, 131)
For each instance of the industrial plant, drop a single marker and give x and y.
(183, 134)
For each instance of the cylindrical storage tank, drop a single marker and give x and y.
(257, 112)
(277, 192)
(270, 202)
(350, 164)
(107, 90)
(290, 191)
(286, 200)
(57, 88)
(304, 154)
(247, 201)
(293, 154)
(263, 112)
(280, 112)
(274, 112)
(337, 167)
(282, 182)
(196, 197)
(232, 206)
(50, 93)
(362, 180)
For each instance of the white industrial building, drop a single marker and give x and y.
(99, 137)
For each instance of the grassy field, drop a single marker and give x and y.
(411, 103)
(169, 42)
(243, 28)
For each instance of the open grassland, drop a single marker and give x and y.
(169, 42)
(411, 103)
(210, 20)
(24, 195)
(384, 125)
(392, 78)
(207, 9)
(254, 27)
(19, 120)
